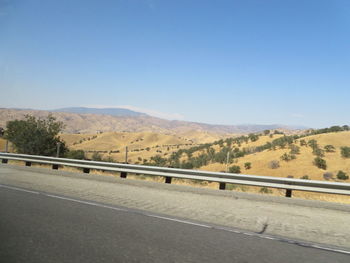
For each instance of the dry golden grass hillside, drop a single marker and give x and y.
(301, 166)
(141, 145)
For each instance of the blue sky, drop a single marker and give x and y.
(222, 62)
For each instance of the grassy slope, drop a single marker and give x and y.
(303, 165)
(137, 143)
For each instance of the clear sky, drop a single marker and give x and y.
(222, 62)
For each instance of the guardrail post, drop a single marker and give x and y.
(123, 174)
(222, 186)
(28, 164)
(4, 161)
(55, 166)
(288, 192)
(86, 170)
(168, 180)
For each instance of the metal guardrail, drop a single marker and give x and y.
(222, 178)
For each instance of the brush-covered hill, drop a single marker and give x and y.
(94, 123)
(141, 145)
(317, 155)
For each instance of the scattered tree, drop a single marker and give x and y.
(266, 132)
(303, 142)
(36, 136)
(253, 137)
(329, 148)
(318, 152)
(345, 152)
(312, 143)
(288, 157)
(320, 163)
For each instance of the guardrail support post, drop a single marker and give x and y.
(86, 170)
(123, 174)
(168, 180)
(4, 161)
(28, 164)
(55, 166)
(222, 186)
(288, 192)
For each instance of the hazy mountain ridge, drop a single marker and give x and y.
(102, 111)
(92, 123)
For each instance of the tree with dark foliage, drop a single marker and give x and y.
(36, 136)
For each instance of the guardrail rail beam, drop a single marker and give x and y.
(288, 184)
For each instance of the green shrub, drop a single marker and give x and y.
(320, 163)
(329, 148)
(345, 152)
(288, 157)
(75, 154)
(342, 175)
(248, 165)
(318, 152)
(312, 143)
(305, 177)
(303, 142)
(235, 169)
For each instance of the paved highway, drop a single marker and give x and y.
(36, 227)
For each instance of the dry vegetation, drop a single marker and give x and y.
(301, 166)
(144, 146)
(141, 145)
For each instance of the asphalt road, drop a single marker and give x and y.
(41, 228)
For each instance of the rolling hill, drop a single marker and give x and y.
(141, 145)
(260, 155)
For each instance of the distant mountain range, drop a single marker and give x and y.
(92, 120)
(103, 111)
